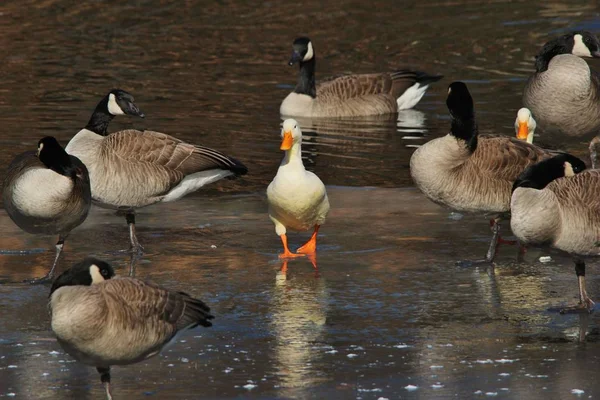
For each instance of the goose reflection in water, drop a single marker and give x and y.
(299, 307)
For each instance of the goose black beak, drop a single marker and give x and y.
(132, 109)
(296, 57)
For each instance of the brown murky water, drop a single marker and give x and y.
(389, 315)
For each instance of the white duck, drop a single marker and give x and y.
(297, 197)
(525, 125)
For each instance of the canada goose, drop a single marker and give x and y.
(564, 93)
(525, 125)
(297, 197)
(554, 203)
(469, 172)
(351, 95)
(47, 192)
(130, 169)
(102, 322)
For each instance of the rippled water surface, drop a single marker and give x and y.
(389, 314)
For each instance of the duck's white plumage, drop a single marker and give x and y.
(297, 197)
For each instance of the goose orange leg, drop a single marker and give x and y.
(310, 247)
(286, 251)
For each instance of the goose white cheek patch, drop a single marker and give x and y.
(569, 169)
(309, 53)
(113, 107)
(579, 48)
(96, 275)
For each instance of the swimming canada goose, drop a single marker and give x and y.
(564, 93)
(47, 192)
(554, 203)
(102, 321)
(469, 172)
(297, 197)
(131, 169)
(351, 95)
(525, 125)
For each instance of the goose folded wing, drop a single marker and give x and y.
(504, 158)
(351, 86)
(145, 305)
(168, 153)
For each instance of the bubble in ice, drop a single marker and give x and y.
(352, 355)
(577, 392)
(411, 388)
(249, 386)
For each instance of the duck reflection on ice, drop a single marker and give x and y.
(299, 307)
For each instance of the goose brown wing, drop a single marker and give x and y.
(351, 86)
(153, 310)
(168, 153)
(505, 157)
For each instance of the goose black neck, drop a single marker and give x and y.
(548, 52)
(61, 163)
(306, 80)
(100, 119)
(465, 129)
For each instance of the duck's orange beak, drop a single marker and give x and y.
(287, 141)
(523, 131)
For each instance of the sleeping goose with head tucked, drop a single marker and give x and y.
(555, 204)
(297, 197)
(564, 93)
(350, 95)
(103, 321)
(47, 192)
(469, 172)
(131, 169)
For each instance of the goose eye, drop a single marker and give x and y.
(104, 272)
(294, 126)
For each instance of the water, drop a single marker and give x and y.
(388, 307)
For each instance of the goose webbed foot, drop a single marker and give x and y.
(585, 303)
(496, 239)
(135, 246)
(50, 275)
(105, 379)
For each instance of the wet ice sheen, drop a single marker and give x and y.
(387, 279)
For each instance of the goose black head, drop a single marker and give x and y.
(53, 156)
(88, 272)
(120, 102)
(579, 43)
(116, 102)
(539, 175)
(302, 51)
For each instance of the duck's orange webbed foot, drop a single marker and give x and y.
(310, 247)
